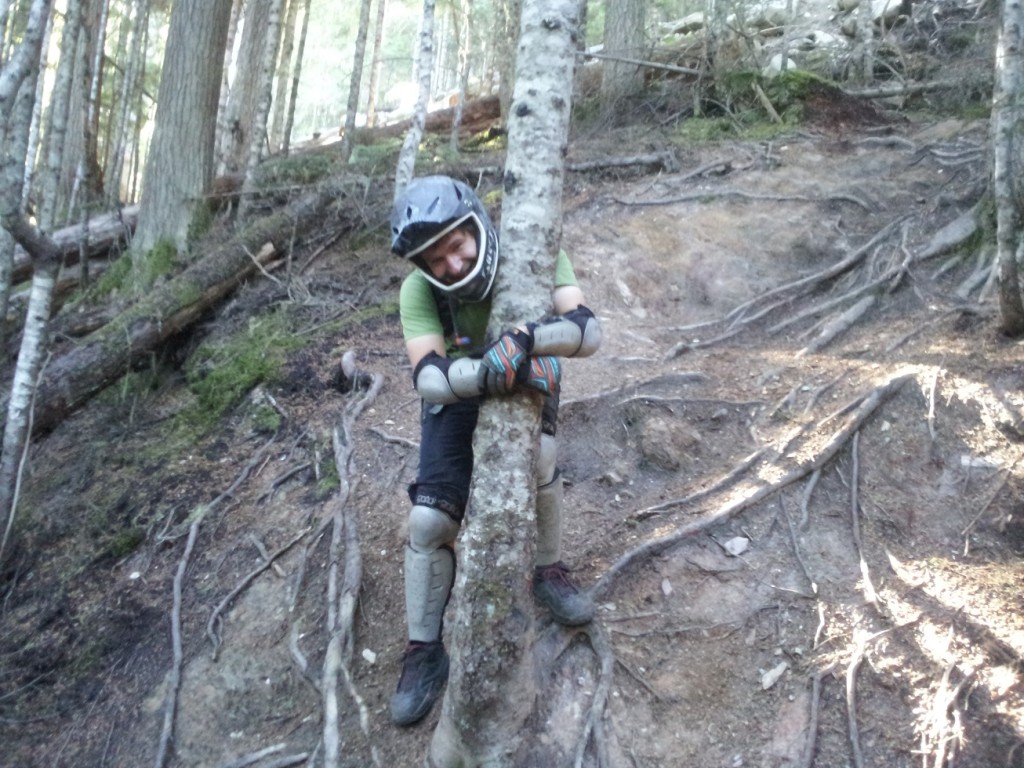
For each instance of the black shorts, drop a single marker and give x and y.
(446, 453)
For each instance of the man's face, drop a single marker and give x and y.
(452, 257)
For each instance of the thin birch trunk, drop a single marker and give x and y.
(17, 102)
(491, 689)
(375, 64)
(352, 109)
(113, 182)
(464, 29)
(410, 148)
(258, 129)
(224, 136)
(83, 178)
(284, 73)
(1007, 156)
(296, 74)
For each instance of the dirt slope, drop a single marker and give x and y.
(909, 610)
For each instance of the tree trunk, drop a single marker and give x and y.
(352, 109)
(375, 64)
(410, 148)
(507, 18)
(464, 31)
(1008, 156)
(245, 86)
(17, 103)
(296, 72)
(284, 73)
(180, 164)
(105, 355)
(491, 688)
(623, 37)
(264, 93)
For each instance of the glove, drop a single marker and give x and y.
(542, 373)
(503, 358)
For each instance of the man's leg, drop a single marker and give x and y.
(552, 585)
(439, 500)
(429, 575)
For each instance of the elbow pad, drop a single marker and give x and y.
(577, 333)
(443, 381)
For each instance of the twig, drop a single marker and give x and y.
(599, 642)
(869, 588)
(174, 676)
(403, 441)
(931, 401)
(805, 500)
(213, 622)
(796, 545)
(868, 405)
(255, 757)
(807, 759)
(851, 704)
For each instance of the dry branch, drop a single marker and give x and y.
(862, 408)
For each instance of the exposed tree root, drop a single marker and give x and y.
(859, 411)
(343, 594)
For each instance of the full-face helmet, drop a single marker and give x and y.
(430, 208)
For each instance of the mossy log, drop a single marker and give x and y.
(102, 357)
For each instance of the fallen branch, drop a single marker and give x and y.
(213, 623)
(838, 326)
(863, 407)
(641, 63)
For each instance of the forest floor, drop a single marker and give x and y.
(875, 618)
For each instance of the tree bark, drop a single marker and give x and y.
(180, 164)
(355, 81)
(375, 65)
(623, 37)
(491, 688)
(104, 356)
(296, 72)
(411, 146)
(1007, 156)
(264, 94)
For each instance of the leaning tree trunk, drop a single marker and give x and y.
(375, 64)
(425, 61)
(296, 73)
(265, 92)
(1007, 155)
(491, 689)
(17, 102)
(352, 109)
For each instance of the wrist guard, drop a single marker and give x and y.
(577, 333)
(442, 380)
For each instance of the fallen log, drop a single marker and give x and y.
(477, 115)
(102, 358)
(104, 233)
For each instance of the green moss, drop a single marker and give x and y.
(378, 155)
(220, 373)
(300, 169)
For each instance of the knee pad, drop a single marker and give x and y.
(430, 528)
(547, 454)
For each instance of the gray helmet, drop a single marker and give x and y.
(430, 208)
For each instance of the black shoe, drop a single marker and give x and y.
(553, 588)
(424, 673)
